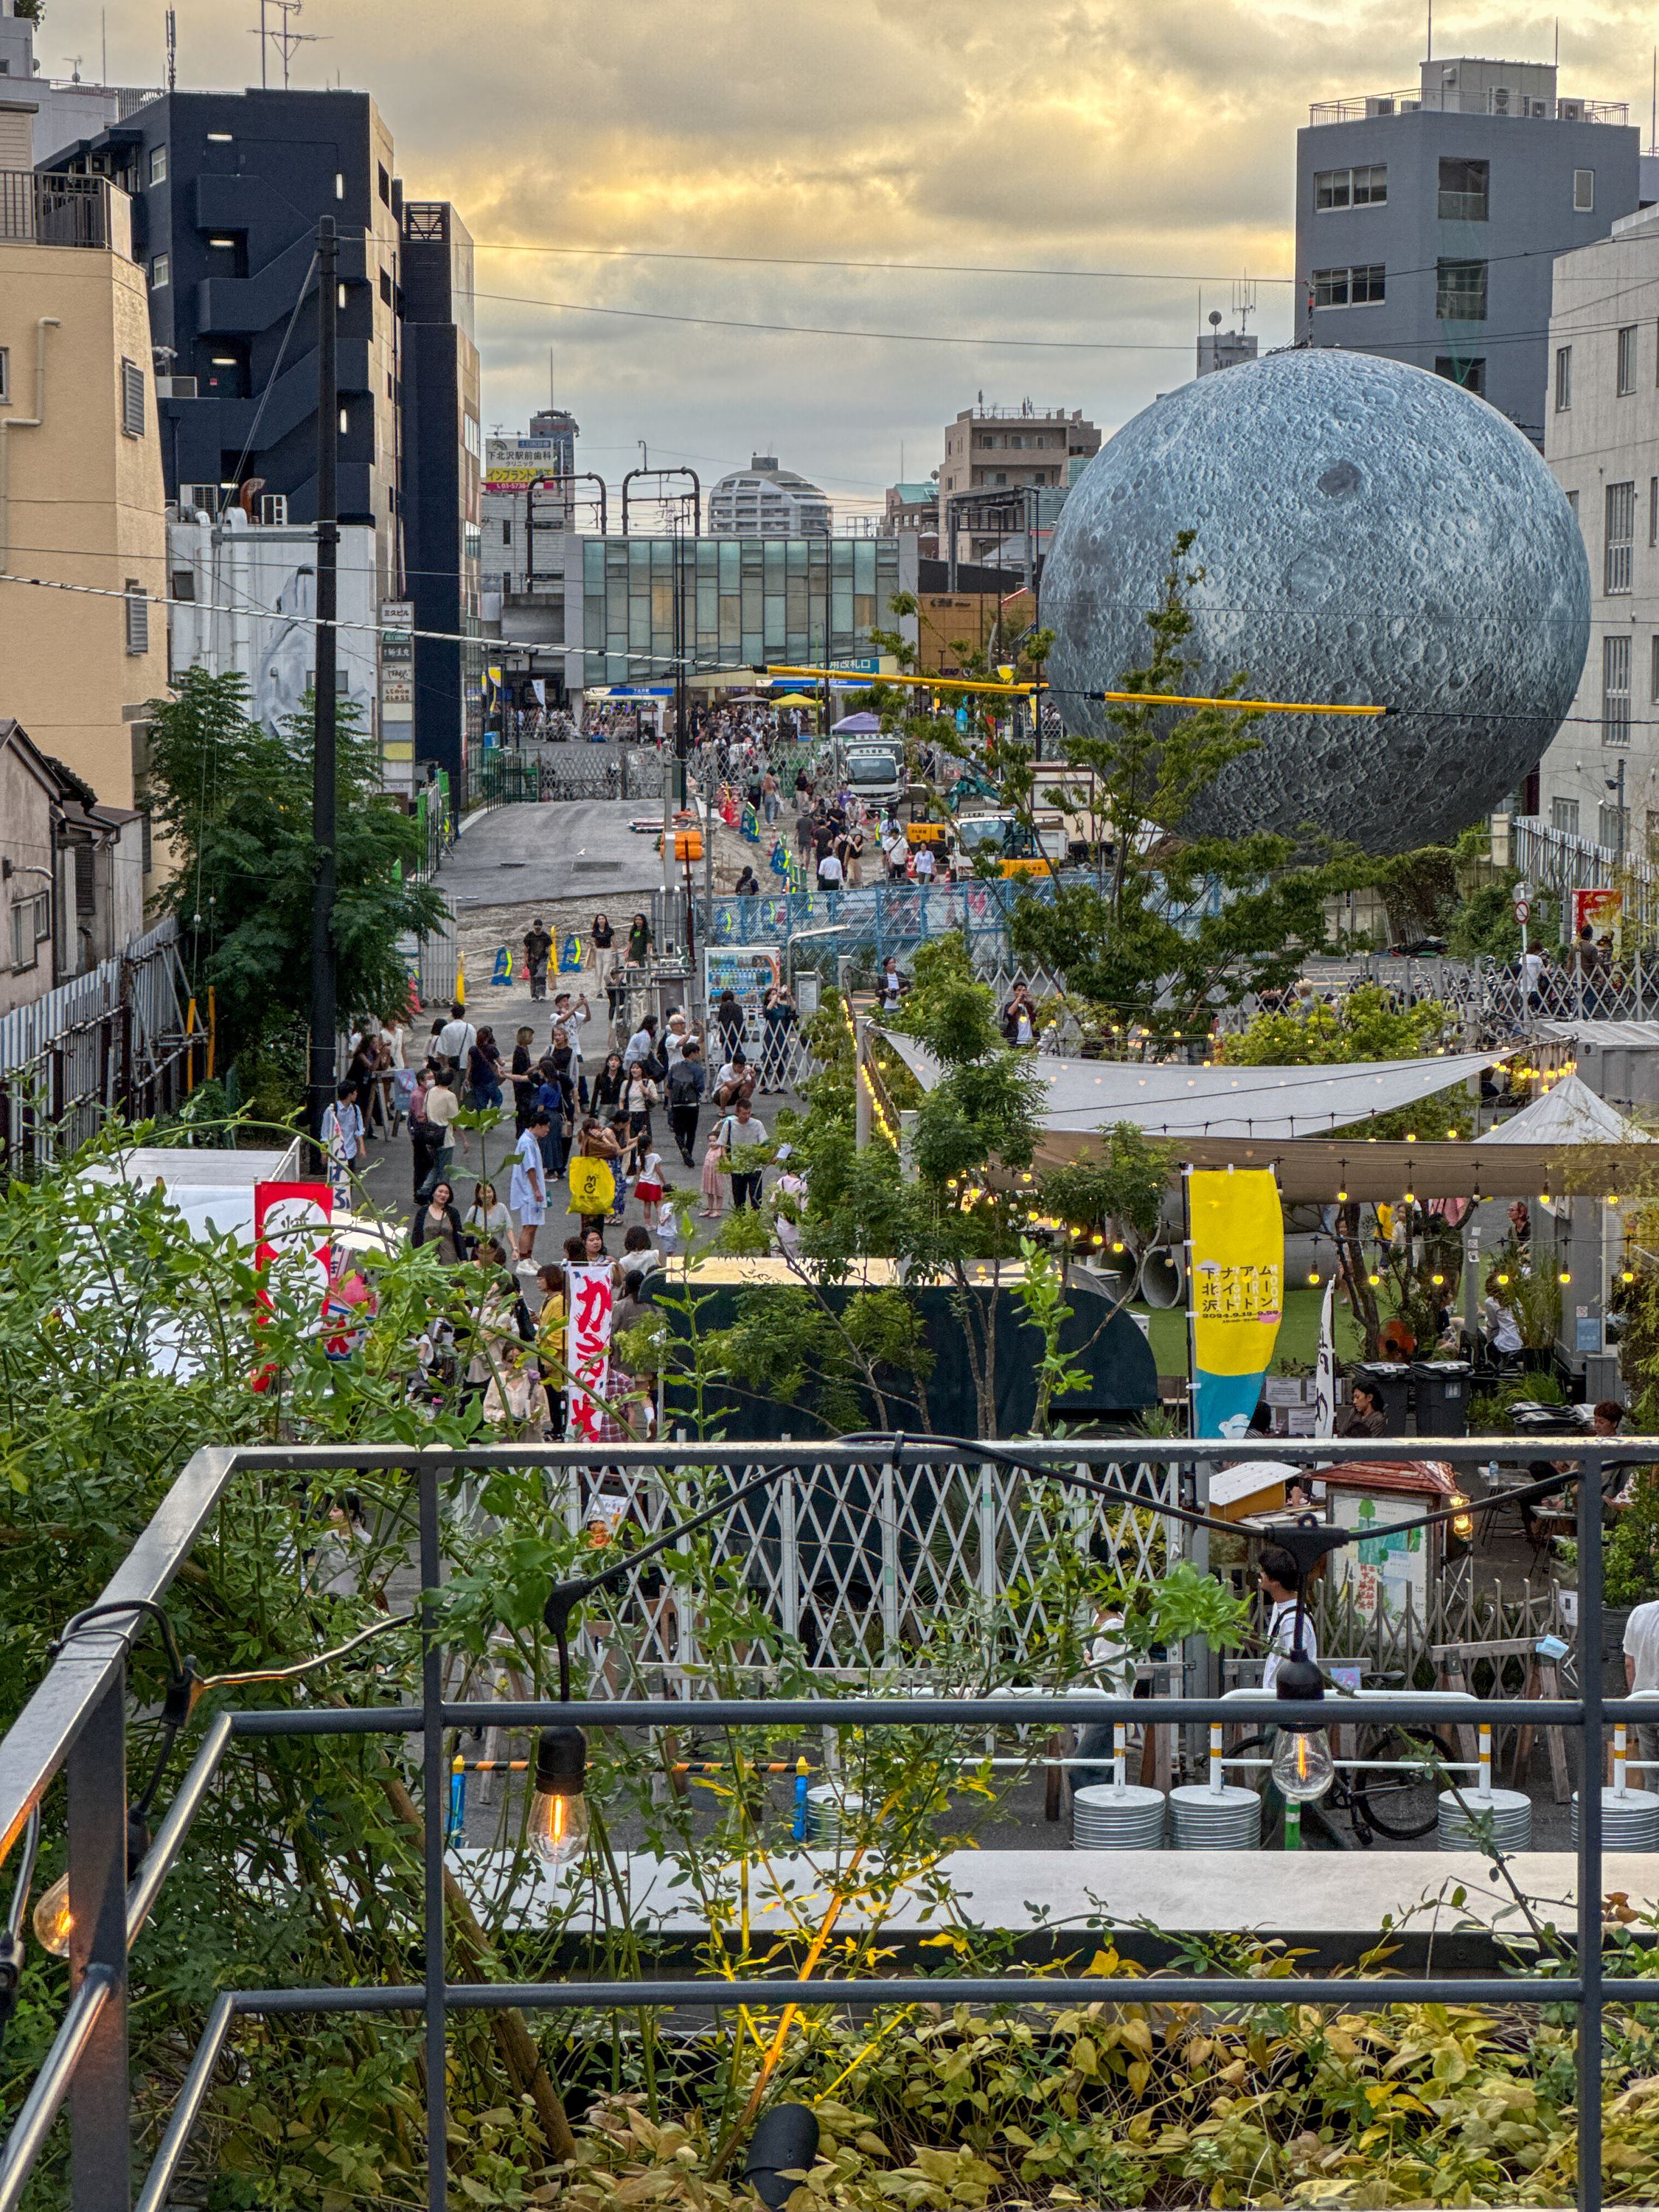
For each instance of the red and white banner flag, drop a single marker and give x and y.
(592, 1301)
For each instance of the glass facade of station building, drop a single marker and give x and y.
(746, 600)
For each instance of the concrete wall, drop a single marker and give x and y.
(1530, 217)
(1602, 436)
(86, 506)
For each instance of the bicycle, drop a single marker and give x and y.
(1396, 1794)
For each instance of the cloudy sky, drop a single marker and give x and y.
(1147, 145)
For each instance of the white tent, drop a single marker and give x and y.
(1569, 1113)
(1180, 1100)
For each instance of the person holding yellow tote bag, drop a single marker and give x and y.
(593, 1178)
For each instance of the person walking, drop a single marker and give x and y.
(639, 941)
(425, 1135)
(441, 1108)
(728, 1020)
(484, 1070)
(605, 1093)
(603, 939)
(688, 1079)
(527, 1192)
(640, 1095)
(342, 1135)
(523, 1077)
(537, 945)
(737, 1132)
(780, 1016)
(456, 1039)
(436, 1222)
(771, 799)
(488, 1218)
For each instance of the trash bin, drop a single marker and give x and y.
(1393, 1385)
(1442, 1397)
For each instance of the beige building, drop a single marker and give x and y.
(82, 499)
(990, 449)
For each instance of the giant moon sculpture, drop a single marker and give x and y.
(1367, 532)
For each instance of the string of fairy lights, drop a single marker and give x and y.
(1019, 1211)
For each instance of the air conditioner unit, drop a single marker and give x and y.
(1538, 108)
(1570, 111)
(273, 508)
(175, 387)
(1500, 99)
(1379, 106)
(204, 495)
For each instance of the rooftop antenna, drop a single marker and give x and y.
(103, 33)
(1244, 299)
(172, 49)
(285, 39)
(552, 386)
(1429, 55)
(74, 68)
(1653, 127)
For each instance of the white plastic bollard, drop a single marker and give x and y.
(1215, 1757)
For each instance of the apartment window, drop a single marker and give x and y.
(384, 184)
(158, 165)
(339, 184)
(1572, 504)
(1468, 370)
(1342, 188)
(137, 617)
(1653, 670)
(1562, 379)
(31, 925)
(1626, 360)
(1563, 817)
(1621, 530)
(1463, 191)
(1613, 827)
(1653, 510)
(133, 399)
(5, 372)
(1583, 191)
(160, 273)
(86, 882)
(1615, 689)
(386, 289)
(1460, 292)
(1359, 286)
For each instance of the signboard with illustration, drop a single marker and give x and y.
(1385, 1572)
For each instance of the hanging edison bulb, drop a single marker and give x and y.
(558, 1808)
(53, 1921)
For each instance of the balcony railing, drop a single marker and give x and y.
(1368, 106)
(75, 1724)
(54, 210)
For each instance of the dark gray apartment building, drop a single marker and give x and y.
(1427, 222)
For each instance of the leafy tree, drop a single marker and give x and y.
(234, 803)
(1369, 1023)
(1174, 926)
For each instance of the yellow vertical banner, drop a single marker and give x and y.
(1238, 1293)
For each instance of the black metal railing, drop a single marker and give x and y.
(75, 1724)
(49, 210)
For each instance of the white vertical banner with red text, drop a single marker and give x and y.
(591, 1303)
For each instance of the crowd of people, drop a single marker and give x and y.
(597, 1102)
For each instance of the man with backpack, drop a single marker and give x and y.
(688, 1079)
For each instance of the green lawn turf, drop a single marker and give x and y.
(1298, 1333)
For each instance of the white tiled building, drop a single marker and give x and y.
(1601, 439)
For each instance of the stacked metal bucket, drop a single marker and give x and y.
(1506, 1815)
(1113, 1816)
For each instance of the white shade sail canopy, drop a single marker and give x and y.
(1180, 1100)
(1569, 1113)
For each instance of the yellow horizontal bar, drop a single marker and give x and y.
(1240, 706)
(926, 682)
(1112, 698)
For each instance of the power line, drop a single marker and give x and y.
(895, 268)
(829, 331)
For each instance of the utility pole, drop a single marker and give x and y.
(324, 795)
